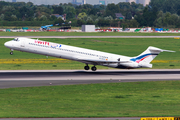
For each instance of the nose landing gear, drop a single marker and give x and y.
(11, 53)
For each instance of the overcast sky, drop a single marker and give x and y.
(65, 1)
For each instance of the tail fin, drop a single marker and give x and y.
(148, 55)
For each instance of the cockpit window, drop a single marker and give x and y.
(16, 39)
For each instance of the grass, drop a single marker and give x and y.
(122, 46)
(84, 34)
(94, 100)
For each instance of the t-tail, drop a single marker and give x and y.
(147, 56)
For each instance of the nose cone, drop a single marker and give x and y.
(8, 44)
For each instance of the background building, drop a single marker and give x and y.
(84, 1)
(130, 1)
(75, 2)
(88, 28)
(102, 2)
(144, 2)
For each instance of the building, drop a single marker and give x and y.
(75, 2)
(83, 2)
(88, 28)
(102, 2)
(119, 16)
(144, 2)
(130, 1)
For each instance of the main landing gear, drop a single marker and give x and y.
(92, 68)
(86, 67)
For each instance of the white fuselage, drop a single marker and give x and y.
(86, 56)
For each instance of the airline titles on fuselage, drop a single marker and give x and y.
(59, 47)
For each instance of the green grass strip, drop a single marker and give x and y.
(94, 100)
(84, 34)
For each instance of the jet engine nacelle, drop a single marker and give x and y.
(131, 65)
(145, 65)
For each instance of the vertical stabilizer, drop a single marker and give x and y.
(148, 55)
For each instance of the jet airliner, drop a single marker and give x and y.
(86, 56)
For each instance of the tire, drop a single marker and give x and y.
(86, 67)
(94, 68)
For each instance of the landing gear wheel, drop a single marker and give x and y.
(86, 67)
(93, 68)
(11, 53)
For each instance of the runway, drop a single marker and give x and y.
(91, 36)
(30, 78)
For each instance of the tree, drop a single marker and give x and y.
(93, 11)
(111, 9)
(2, 17)
(80, 22)
(29, 4)
(128, 15)
(108, 18)
(171, 6)
(167, 20)
(89, 22)
(148, 17)
(58, 10)
(70, 12)
(7, 16)
(178, 12)
(103, 22)
(43, 18)
(59, 21)
(82, 15)
(52, 18)
(13, 18)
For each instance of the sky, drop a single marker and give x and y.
(51, 2)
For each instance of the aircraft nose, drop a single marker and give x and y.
(7, 44)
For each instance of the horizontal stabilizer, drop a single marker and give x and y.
(168, 51)
(154, 49)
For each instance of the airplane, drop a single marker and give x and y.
(83, 55)
(46, 27)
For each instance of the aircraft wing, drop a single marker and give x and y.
(98, 62)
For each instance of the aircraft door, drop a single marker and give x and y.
(22, 43)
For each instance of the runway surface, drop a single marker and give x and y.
(29, 78)
(90, 36)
